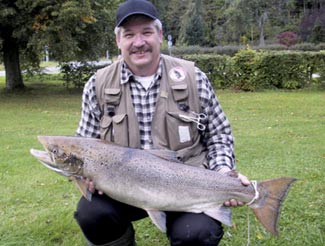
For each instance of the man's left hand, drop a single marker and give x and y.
(244, 180)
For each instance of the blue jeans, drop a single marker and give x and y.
(104, 220)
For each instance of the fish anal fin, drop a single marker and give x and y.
(267, 209)
(220, 213)
(158, 218)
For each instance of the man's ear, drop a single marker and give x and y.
(117, 40)
(161, 36)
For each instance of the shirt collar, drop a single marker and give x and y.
(127, 75)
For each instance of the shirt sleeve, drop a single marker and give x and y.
(90, 113)
(217, 137)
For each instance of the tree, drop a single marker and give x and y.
(318, 32)
(213, 17)
(236, 21)
(71, 29)
(173, 16)
(192, 28)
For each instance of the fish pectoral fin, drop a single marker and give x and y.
(83, 188)
(220, 213)
(158, 218)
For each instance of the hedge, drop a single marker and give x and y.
(252, 70)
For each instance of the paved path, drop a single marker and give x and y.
(56, 69)
(47, 70)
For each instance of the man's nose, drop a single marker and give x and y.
(139, 40)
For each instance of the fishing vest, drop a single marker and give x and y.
(178, 95)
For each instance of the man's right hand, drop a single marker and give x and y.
(91, 186)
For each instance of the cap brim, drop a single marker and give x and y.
(135, 13)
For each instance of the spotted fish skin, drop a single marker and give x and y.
(156, 181)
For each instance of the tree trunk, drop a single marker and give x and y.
(14, 80)
(261, 23)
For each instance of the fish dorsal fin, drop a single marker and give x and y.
(165, 154)
(220, 213)
(158, 218)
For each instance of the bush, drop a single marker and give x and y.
(251, 70)
(287, 39)
(78, 73)
(182, 51)
(218, 68)
(282, 69)
(245, 63)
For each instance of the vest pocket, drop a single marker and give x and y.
(120, 129)
(106, 128)
(180, 132)
(115, 129)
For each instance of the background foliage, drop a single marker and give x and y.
(240, 21)
(83, 30)
(251, 70)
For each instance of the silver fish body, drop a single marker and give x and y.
(156, 181)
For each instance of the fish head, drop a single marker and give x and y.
(58, 157)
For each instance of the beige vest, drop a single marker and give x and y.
(119, 123)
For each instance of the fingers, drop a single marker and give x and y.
(233, 203)
(91, 186)
(245, 181)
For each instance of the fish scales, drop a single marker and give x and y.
(145, 170)
(156, 181)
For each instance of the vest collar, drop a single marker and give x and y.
(127, 76)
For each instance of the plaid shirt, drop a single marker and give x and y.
(217, 137)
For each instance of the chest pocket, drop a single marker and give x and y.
(180, 132)
(113, 126)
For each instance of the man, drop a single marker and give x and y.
(149, 100)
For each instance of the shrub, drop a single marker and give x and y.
(251, 70)
(218, 68)
(282, 69)
(288, 39)
(77, 73)
(245, 62)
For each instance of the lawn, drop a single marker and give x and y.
(278, 133)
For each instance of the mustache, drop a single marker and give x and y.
(144, 48)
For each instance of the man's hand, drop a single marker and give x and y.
(91, 186)
(244, 180)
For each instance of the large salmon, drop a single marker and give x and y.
(156, 181)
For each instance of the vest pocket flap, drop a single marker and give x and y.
(117, 119)
(105, 122)
(112, 91)
(112, 95)
(179, 87)
(180, 92)
(178, 116)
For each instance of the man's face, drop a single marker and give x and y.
(139, 41)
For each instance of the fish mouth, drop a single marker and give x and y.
(45, 158)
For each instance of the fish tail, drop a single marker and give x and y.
(267, 208)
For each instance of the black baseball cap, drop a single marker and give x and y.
(135, 7)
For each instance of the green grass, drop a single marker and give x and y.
(277, 133)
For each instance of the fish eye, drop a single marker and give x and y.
(55, 150)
